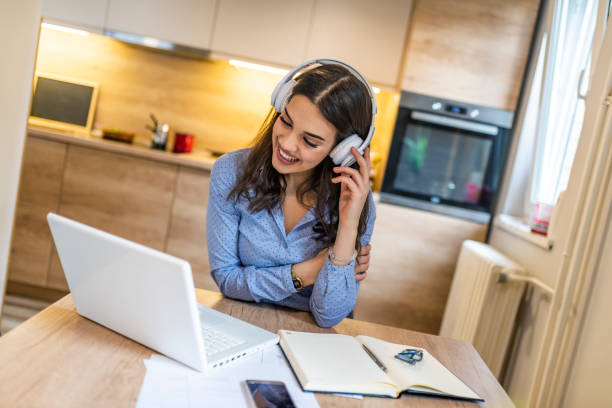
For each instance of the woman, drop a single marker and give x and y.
(284, 224)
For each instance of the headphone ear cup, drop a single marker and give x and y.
(283, 95)
(341, 154)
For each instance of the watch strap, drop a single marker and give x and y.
(298, 284)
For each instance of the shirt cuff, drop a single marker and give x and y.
(338, 271)
(287, 280)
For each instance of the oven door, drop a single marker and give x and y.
(444, 164)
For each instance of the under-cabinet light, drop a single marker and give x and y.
(64, 29)
(258, 67)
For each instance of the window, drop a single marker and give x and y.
(564, 63)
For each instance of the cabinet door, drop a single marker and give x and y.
(187, 233)
(470, 51)
(88, 13)
(185, 22)
(39, 193)
(365, 33)
(124, 195)
(270, 30)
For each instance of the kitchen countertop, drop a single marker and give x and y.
(200, 159)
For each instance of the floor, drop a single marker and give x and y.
(413, 259)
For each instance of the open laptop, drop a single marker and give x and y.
(148, 296)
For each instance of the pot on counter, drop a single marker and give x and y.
(183, 143)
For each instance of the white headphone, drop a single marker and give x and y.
(341, 154)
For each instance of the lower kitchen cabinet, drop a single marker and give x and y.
(126, 196)
(39, 193)
(151, 202)
(187, 231)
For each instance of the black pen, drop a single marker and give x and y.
(376, 360)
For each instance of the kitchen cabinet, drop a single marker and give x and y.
(187, 231)
(154, 202)
(472, 51)
(39, 193)
(272, 30)
(86, 13)
(128, 197)
(367, 34)
(184, 22)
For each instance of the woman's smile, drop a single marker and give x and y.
(285, 157)
(301, 137)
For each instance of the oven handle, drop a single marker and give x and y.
(456, 123)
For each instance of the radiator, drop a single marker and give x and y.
(481, 309)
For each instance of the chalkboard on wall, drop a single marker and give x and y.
(63, 103)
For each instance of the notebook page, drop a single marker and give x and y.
(428, 373)
(334, 363)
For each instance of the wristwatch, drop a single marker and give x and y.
(297, 281)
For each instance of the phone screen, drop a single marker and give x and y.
(269, 394)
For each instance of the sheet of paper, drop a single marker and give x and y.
(168, 383)
(356, 396)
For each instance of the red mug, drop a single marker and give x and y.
(183, 143)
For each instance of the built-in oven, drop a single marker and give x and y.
(446, 156)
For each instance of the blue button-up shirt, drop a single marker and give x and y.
(250, 254)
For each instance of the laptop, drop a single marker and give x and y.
(148, 296)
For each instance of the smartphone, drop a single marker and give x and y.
(268, 394)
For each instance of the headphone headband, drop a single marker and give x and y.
(283, 90)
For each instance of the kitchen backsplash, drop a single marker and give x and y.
(223, 106)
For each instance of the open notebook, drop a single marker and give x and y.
(338, 363)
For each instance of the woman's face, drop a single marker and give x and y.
(301, 137)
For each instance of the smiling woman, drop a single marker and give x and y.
(315, 137)
(289, 220)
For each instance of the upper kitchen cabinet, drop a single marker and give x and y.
(367, 34)
(184, 22)
(274, 31)
(473, 51)
(85, 13)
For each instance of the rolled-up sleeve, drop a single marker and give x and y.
(235, 280)
(335, 290)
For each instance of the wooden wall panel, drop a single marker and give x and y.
(473, 50)
(123, 195)
(39, 193)
(222, 105)
(187, 233)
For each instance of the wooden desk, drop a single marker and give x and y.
(58, 358)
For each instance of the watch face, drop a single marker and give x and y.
(297, 284)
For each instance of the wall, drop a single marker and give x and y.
(19, 21)
(577, 219)
(592, 370)
(222, 105)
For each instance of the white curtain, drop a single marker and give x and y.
(561, 100)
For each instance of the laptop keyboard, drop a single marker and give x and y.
(216, 341)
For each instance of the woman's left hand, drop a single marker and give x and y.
(355, 188)
(362, 263)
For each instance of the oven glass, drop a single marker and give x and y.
(441, 162)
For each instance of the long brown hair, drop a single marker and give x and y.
(345, 102)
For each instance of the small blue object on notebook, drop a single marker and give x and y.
(410, 356)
